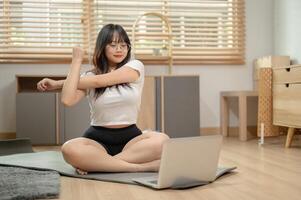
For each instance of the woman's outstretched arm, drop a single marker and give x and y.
(70, 92)
(121, 75)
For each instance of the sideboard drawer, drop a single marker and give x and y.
(287, 104)
(289, 74)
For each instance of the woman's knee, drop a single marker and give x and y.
(160, 135)
(158, 141)
(164, 137)
(71, 152)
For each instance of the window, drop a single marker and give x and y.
(44, 31)
(207, 32)
(40, 31)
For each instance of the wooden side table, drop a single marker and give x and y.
(242, 110)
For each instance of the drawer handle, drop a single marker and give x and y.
(287, 85)
(288, 69)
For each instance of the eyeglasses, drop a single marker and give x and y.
(122, 46)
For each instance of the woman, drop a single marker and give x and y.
(113, 143)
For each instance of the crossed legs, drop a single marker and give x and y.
(142, 153)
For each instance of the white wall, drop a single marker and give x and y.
(213, 79)
(287, 29)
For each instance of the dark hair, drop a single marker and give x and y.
(100, 60)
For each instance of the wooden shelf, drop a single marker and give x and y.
(28, 83)
(152, 57)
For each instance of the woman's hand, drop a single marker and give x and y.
(47, 84)
(77, 55)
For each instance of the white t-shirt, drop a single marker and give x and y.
(115, 107)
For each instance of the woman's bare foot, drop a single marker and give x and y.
(81, 172)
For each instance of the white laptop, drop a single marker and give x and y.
(186, 162)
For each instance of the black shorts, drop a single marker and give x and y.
(112, 139)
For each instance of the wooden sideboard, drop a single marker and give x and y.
(287, 98)
(169, 104)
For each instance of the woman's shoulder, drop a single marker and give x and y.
(135, 62)
(137, 65)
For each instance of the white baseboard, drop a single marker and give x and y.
(233, 131)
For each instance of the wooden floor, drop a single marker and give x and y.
(264, 172)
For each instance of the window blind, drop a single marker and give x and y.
(203, 31)
(40, 30)
(207, 32)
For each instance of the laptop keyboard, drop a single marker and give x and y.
(154, 181)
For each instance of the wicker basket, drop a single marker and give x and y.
(265, 103)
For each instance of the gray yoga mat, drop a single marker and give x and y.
(53, 160)
(13, 146)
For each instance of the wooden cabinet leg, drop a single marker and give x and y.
(289, 137)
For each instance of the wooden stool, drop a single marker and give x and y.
(242, 110)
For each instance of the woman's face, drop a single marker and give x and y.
(116, 52)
